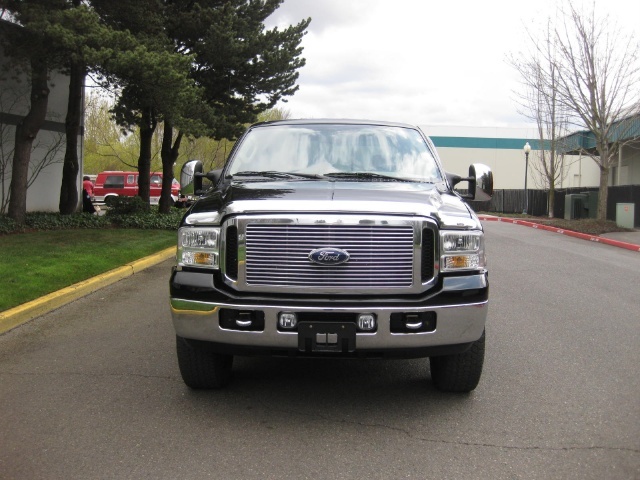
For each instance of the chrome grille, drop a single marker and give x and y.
(381, 256)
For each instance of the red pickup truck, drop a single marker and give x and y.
(111, 184)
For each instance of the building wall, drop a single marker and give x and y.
(501, 148)
(629, 166)
(49, 145)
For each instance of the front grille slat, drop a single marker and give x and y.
(380, 256)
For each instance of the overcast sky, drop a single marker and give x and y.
(419, 61)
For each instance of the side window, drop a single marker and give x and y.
(114, 181)
(156, 180)
(130, 180)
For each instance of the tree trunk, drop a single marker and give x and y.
(26, 132)
(147, 127)
(169, 155)
(68, 190)
(603, 193)
(552, 199)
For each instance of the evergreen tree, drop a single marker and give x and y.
(238, 70)
(152, 80)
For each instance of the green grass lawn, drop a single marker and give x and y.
(37, 263)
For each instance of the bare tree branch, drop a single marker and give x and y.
(592, 69)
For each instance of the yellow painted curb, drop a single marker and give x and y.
(23, 313)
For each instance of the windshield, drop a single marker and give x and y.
(336, 150)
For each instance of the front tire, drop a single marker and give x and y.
(200, 367)
(459, 373)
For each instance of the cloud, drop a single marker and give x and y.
(414, 61)
(325, 14)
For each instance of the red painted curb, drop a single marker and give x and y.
(584, 236)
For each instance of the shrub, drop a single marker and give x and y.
(55, 221)
(7, 225)
(52, 221)
(127, 205)
(152, 220)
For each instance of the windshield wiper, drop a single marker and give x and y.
(367, 176)
(275, 174)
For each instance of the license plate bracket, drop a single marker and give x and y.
(332, 337)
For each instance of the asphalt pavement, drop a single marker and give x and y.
(92, 390)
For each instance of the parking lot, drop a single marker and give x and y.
(92, 390)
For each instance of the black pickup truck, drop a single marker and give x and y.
(331, 238)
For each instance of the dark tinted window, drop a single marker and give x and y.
(114, 181)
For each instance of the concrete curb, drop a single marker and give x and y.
(16, 316)
(593, 238)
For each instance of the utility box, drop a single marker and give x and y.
(591, 204)
(625, 215)
(575, 206)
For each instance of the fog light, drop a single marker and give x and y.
(367, 321)
(287, 320)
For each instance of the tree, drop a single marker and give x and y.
(106, 145)
(78, 32)
(276, 113)
(242, 69)
(539, 102)
(152, 80)
(598, 81)
(234, 70)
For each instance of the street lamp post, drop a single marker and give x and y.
(527, 150)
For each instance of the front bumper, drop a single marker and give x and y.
(459, 308)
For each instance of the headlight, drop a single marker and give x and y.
(199, 247)
(461, 251)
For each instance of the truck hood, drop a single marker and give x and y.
(331, 197)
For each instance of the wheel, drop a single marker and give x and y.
(460, 372)
(110, 200)
(200, 367)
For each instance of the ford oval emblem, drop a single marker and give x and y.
(329, 256)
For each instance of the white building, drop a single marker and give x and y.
(501, 148)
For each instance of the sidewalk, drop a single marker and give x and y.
(626, 240)
(16, 316)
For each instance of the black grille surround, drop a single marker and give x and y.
(231, 252)
(387, 255)
(428, 254)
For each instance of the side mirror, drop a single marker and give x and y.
(482, 185)
(480, 182)
(191, 177)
